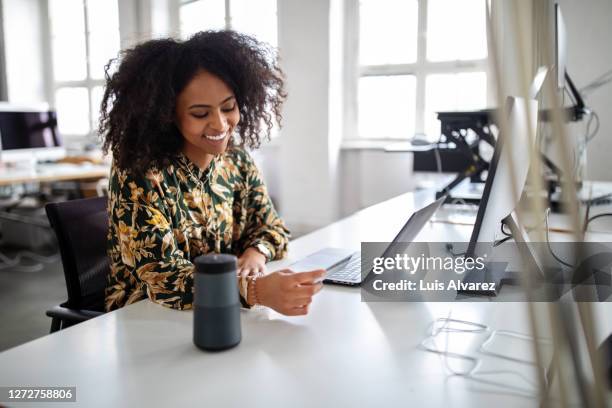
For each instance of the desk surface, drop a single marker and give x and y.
(344, 353)
(53, 172)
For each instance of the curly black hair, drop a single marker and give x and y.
(137, 113)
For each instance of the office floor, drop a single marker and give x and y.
(24, 298)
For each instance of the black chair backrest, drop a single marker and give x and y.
(81, 227)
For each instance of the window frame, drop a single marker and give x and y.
(420, 69)
(228, 15)
(88, 83)
(181, 3)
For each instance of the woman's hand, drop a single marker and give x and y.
(251, 262)
(287, 292)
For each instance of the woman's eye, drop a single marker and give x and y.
(205, 114)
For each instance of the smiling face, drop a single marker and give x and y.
(206, 115)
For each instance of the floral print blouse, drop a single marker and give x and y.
(160, 221)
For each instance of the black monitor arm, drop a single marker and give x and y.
(577, 111)
(572, 113)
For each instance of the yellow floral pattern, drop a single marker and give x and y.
(162, 220)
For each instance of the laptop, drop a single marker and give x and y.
(344, 265)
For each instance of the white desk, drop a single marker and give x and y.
(53, 172)
(344, 353)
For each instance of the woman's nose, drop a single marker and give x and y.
(218, 122)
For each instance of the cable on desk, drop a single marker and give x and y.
(509, 235)
(509, 333)
(438, 159)
(598, 82)
(506, 233)
(7, 262)
(507, 238)
(589, 135)
(561, 261)
(436, 150)
(444, 328)
(600, 200)
(477, 328)
(595, 217)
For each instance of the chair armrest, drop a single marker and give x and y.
(72, 315)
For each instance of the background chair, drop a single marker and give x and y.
(81, 227)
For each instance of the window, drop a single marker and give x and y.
(448, 92)
(201, 15)
(84, 37)
(388, 32)
(256, 18)
(383, 103)
(417, 57)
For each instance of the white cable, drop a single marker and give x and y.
(438, 159)
(596, 83)
(561, 261)
(589, 135)
(472, 373)
(15, 263)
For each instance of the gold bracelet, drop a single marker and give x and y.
(253, 282)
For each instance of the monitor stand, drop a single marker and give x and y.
(495, 272)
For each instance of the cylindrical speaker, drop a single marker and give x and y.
(216, 303)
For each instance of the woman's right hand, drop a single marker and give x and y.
(287, 292)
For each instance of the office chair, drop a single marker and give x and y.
(81, 227)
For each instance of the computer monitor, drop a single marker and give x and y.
(502, 191)
(560, 47)
(538, 82)
(563, 79)
(504, 184)
(28, 134)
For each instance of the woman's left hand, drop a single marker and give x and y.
(251, 262)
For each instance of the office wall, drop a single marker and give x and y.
(589, 54)
(309, 143)
(24, 53)
(371, 176)
(364, 177)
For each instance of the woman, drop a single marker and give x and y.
(175, 116)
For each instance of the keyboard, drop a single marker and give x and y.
(350, 271)
(343, 265)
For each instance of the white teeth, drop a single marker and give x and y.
(215, 137)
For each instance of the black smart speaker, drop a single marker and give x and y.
(216, 303)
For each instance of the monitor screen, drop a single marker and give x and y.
(28, 130)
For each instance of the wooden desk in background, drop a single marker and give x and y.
(49, 173)
(53, 172)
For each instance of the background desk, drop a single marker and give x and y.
(53, 172)
(44, 173)
(344, 353)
